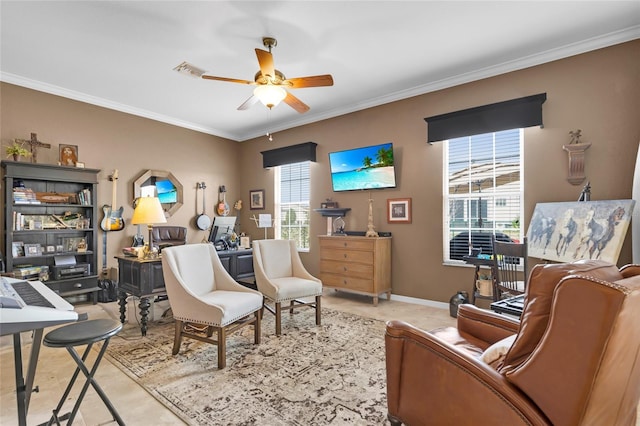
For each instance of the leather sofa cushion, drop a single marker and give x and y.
(537, 307)
(169, 235)
(451, 336)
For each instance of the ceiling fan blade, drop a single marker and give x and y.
(265, 59)
(296, 103)
(230, 80)
(312, 81)
(248, 103)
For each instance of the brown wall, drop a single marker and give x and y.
(597, 92)
(109, 140)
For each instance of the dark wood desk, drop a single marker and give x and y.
(143, 278)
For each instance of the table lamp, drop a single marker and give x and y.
(149, 211)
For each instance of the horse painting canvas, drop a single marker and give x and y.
(570, 231)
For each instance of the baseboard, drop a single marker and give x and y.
(423, 302)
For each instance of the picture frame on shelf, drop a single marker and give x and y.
(68, 155)
(17, 249)
(71, 244)
(399, 210)
(51, 249)
(256, 199)
(32, 250)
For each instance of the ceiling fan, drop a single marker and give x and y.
(271, 84)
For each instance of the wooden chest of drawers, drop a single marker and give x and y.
(356, 264)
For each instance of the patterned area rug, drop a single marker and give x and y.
(328, 375)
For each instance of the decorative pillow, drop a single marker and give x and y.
(496, 352)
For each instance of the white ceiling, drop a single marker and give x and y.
(121, 55)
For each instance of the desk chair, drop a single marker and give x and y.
(281, 277)
(78, 334)
(507, 259)
(204, 298)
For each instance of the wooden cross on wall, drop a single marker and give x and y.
(35, 144)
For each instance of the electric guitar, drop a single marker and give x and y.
(223, 208)
(112, 220)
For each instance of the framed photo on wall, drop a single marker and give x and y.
(399, 210)
(68, 155)
(256, 199)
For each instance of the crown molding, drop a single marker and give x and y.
(572, 49)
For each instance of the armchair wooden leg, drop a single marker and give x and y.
(210, 330)
(222, 347)
(278, 318)
(291, 307)
(257, 326)
(318, 312)
(178, 337)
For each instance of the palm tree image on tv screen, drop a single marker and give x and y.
(368, 167)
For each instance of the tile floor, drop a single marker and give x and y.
(133, 403)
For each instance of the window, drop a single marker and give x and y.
(482, 191)
(292, 183)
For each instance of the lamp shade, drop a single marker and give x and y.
(148, 211)
(269, 94)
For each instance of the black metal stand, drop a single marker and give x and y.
(77, 334)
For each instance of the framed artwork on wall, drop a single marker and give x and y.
(256, 199)
(399, 210)
(68, 155)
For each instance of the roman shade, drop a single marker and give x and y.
(289, 154)
(513, 114)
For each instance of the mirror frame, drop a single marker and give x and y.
(169, 208)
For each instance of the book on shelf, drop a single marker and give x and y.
(24, 196)
(84, 197)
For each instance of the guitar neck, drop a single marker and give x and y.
(113, 193)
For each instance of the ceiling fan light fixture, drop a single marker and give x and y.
(270, 95)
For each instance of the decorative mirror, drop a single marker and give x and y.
(161, 184)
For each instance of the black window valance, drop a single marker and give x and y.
(513, 114)
(289, 154)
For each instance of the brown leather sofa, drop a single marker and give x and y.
(573, 359)
(165, 236)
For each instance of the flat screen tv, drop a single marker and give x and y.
(369, 167)
(221, 231)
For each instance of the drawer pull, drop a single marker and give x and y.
(78, 285)
(345, 268)
(345, 255)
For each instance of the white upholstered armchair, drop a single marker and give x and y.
(203, 296)
(281, 277)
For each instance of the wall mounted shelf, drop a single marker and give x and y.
(333, 212)
(330, 214)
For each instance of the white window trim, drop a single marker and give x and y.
(445, 204)
(277, 228)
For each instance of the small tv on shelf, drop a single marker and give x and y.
(221, 231)
(369, 167)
